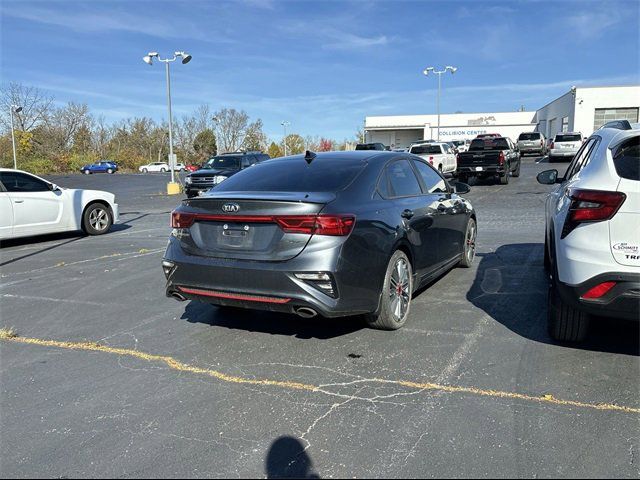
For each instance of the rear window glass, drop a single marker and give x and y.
(322, 175)
(626, 159)
(489, 144)
(529, 136)
(568, 138)
(426, 149)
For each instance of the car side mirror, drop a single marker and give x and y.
(53, 187)
(461, 188)
(548, 177)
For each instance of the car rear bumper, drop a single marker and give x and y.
(530, 148)
(622, 301)
(563, 153)
(485, 169)
(272, 286)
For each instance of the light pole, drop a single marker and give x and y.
(14, 109)
(429, 70)
(172, 188)
(285, 124)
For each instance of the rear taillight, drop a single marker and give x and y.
(431, 160)
(182, 219)
(458, 157)
(334, 225)
(501, 158)
(591, 206)
(551, 146)
(598, 291)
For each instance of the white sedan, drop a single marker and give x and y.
(160, 167)
(31, 205)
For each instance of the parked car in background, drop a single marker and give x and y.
(218, 169)
(161, 167)
(532, 142)
(438, 154)
(298, 235)
(565, 145)
(462, 145)
(31, 205)
(103, 166)
(592, 241)
(489, 135)
(371, 146)
(489, 157)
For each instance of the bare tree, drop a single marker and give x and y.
(36, 106)
(255, 139)
(231, 129)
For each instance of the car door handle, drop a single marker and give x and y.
(18, 201)
(407, 214)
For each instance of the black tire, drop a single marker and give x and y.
(144, 170)
(551, 159)
(504, 179)
(565, 323)
(547, 257)
(463, 177)
(469, 246)
(387, 317)
(109, 170)
(516, 172)
(163, 170)
(97, 219)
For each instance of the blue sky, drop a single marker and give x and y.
(323, 66)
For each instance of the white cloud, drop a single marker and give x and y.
(589, 24)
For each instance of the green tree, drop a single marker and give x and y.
(205, 144)
(274, 150)
(295, 144)
(255, 139)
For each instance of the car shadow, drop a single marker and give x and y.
(273, 323)
(511, 287)
(287, 458)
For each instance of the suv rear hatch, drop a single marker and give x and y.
(269, 226)
(624, 227)
(568, 142)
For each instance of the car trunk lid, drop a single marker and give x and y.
(250, 226)
(624, 227)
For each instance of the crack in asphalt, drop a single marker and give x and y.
(9, 336)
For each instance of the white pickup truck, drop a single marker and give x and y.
(438, 154)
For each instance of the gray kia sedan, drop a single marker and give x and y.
(335, 234)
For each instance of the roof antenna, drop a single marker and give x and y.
(309, 156)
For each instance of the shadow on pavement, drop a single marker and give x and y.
(511, 286)
(270, 322)
(287, 458)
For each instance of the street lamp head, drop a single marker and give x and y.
(148, 60)
(452, 69)
(428, 70)
(186, 58)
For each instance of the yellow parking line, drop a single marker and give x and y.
(9, 336)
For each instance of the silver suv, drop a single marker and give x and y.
(532, 142)
(565, 145)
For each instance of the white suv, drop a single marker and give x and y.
(592, 243)
(438, 154)
(565, 145)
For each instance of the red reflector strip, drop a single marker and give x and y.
(598, 291)
(233, 296)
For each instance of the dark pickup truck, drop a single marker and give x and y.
(489, 157)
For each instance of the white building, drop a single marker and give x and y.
(582, 109)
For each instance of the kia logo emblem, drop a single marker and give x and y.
(230, 207)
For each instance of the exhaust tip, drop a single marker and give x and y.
(306, 312)
(179, 297)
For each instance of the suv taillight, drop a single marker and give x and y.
(501, 158)
(591, 206)
(551, 146)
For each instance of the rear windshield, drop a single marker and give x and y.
(224, 161)
(426, 149)
(529, 136)
(489, 144)
(568, 138)
(369, 146)
(626, 159)
(322, 175)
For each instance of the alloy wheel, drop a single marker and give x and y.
(399, 294)
(470, 242)
(99, 219)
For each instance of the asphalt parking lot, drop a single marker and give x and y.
(108, 377)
